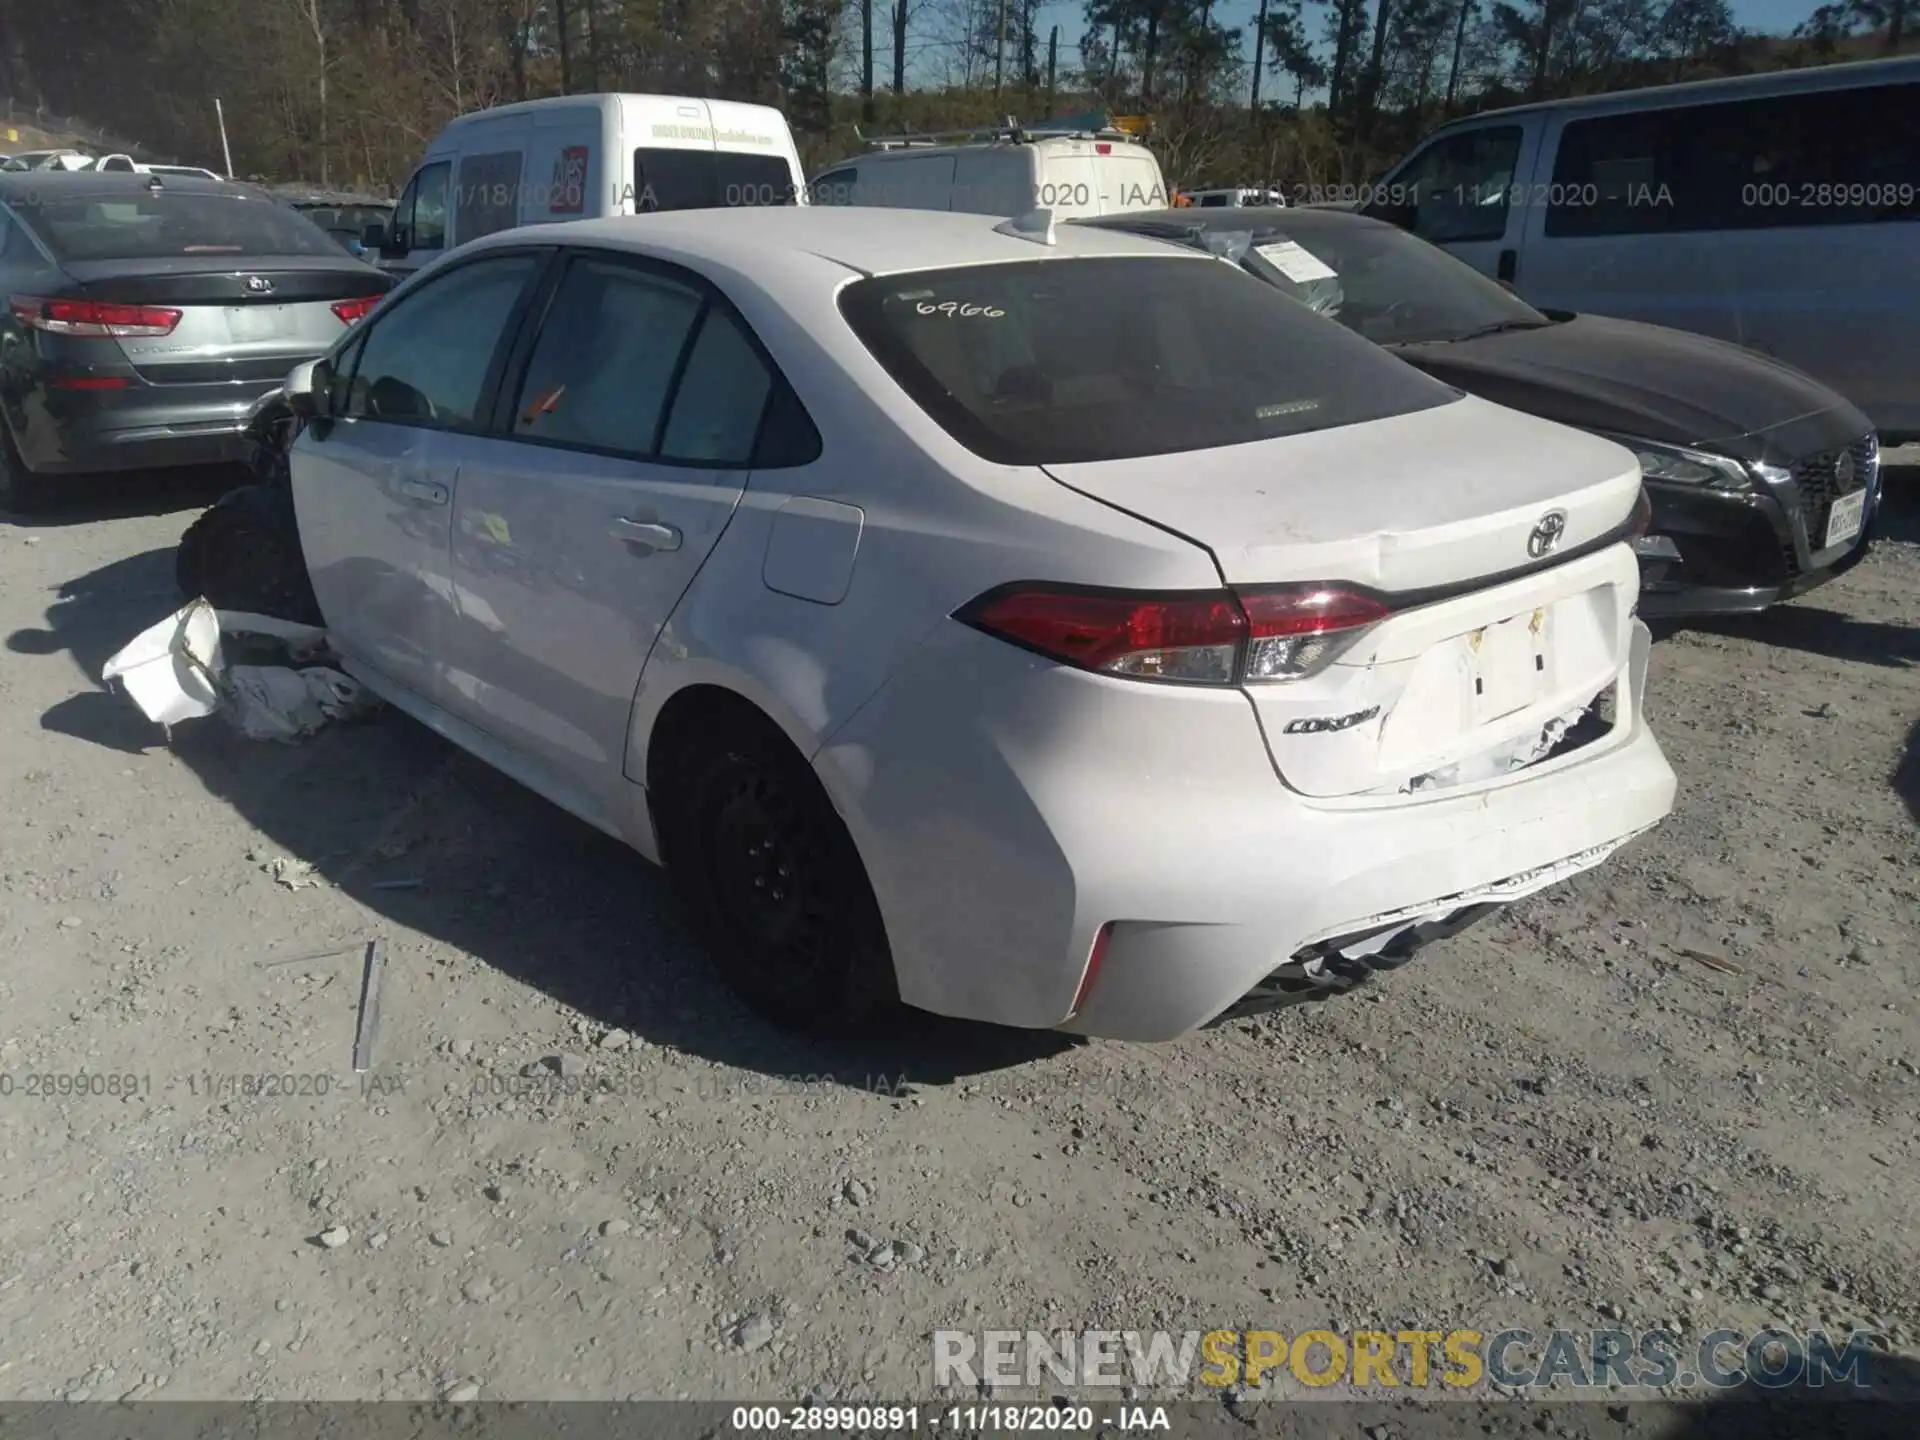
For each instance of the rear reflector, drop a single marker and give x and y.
(88, 382)
(94, 317)
(1209, 637)
(351, 310)
(1094, 956)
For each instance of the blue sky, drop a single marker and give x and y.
(1774, 17)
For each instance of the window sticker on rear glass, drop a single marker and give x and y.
(1297, 264)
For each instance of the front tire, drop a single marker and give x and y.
(773, 883)
(236, 558)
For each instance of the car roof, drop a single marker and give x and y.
(870, 240)
(16, 185)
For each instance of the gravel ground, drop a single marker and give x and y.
(1681, 1089)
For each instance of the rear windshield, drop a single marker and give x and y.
(142, 225)
(710, 180)
(1108, 358)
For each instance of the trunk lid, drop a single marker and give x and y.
(243, 318)
(1495, 656)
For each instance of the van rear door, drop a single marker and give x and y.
(1127, 178)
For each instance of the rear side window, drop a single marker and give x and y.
(138, 224)
(1835, 157)
(606, 358)
(425, 361)
(1109, 358)
(707, 180)
(487, 194)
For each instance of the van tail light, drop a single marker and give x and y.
(94, 317)
(351, 311)
(1207, 637)
(1101, 147)
(1641, 520)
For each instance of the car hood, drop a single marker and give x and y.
(1650, 382)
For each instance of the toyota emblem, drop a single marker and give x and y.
(1843, 472)
(1547, 531)
(259, 285)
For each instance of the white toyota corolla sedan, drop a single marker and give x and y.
(1057, 629)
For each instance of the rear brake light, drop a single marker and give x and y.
(1101, 147)
(94, 317)
(1212, 637)
(351, 310)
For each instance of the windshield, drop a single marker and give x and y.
(1105, 358)
(140, 225)
(1393, 288)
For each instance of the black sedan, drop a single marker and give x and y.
(144, 316)
(1764, 482)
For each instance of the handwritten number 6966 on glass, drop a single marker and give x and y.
(954, 307)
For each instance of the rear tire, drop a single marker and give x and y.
(238, 559)
(21, 491)
(772, 881)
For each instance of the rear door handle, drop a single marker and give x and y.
(1508, 265)
(428, 490)
(647, 534)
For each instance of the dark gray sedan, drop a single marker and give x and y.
(1764, 481)
(145, 315)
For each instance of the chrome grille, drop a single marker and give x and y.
(1813, 476)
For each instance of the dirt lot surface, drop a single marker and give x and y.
(1684, 1089)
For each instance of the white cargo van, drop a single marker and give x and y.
(573, 157)
(1009, 171)
(1780, 211)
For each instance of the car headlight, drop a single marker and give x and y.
(1677, 465)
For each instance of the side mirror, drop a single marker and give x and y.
(374, 236)
(308, 387)
(395, 242)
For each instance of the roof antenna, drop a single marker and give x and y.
(1035, 225)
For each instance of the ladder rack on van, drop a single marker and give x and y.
(1011, 133)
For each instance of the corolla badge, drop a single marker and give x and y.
(259, 285)
(1547, 530)
(1843, 472)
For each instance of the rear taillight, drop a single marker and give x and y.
(94, 317)
(1641, 520)
(1213, 637)
(351, 310)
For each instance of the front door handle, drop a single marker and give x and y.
(430, 491)
(646, 534)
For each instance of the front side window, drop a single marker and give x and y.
(425, 361)
(1066, 360)
(428, 220)
(1460, 185)
(836, 187)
